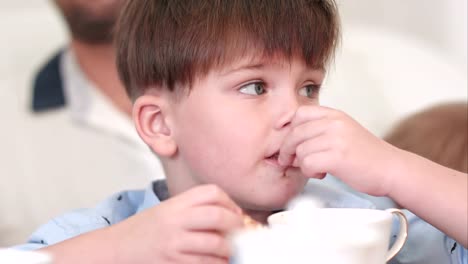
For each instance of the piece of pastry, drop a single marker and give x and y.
(250, 223)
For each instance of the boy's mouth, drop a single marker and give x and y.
(273, 160)
(275, 156)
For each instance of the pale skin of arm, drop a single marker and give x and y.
(437, 194)
(94, 247)
(189, 228)
(327, 140)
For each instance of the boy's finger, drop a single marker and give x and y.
(210, 194)
(309, 113)
(295, 163)
(315, 165)
(202, 259)
(311, 146)
(205, 244)
(311, 156)
(212, 218)
(297, 136)
(286, 159)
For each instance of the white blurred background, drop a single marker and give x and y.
(397, 57)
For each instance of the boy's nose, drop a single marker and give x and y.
(288, 109)
(285, 120)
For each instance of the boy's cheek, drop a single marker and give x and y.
(295, 172)
(300, 179)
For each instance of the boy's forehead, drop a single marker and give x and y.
(259, 62)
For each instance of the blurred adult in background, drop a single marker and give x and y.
(78, 133)
(90, 51)
(438, 133)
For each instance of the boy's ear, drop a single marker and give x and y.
(150, 118)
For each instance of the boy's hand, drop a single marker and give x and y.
(188, 228)
(324, 140)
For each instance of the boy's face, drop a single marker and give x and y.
(230, 127)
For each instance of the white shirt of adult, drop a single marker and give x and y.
(67, 158)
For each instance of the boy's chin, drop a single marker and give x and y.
(271, 196)
(272, 202)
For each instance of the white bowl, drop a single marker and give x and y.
(12, 256)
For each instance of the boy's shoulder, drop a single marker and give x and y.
(114, 209)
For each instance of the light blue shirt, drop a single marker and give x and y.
(425, 244)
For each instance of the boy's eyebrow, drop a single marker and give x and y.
(258, 66)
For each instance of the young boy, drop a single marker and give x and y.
(226, 93)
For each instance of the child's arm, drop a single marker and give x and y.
(189, 228)
(437, 194)
(326, 140)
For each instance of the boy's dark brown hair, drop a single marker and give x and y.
(169, 42)
(439, 133)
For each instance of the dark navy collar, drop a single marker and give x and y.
(160, 190)
(48, 92)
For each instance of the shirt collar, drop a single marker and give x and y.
(89, 106)
(61, 82)
(328, 193)
(47, 91)
(154, 194)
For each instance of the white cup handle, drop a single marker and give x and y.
(402, 233)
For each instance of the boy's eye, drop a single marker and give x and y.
(310, 91)
(256, 88)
